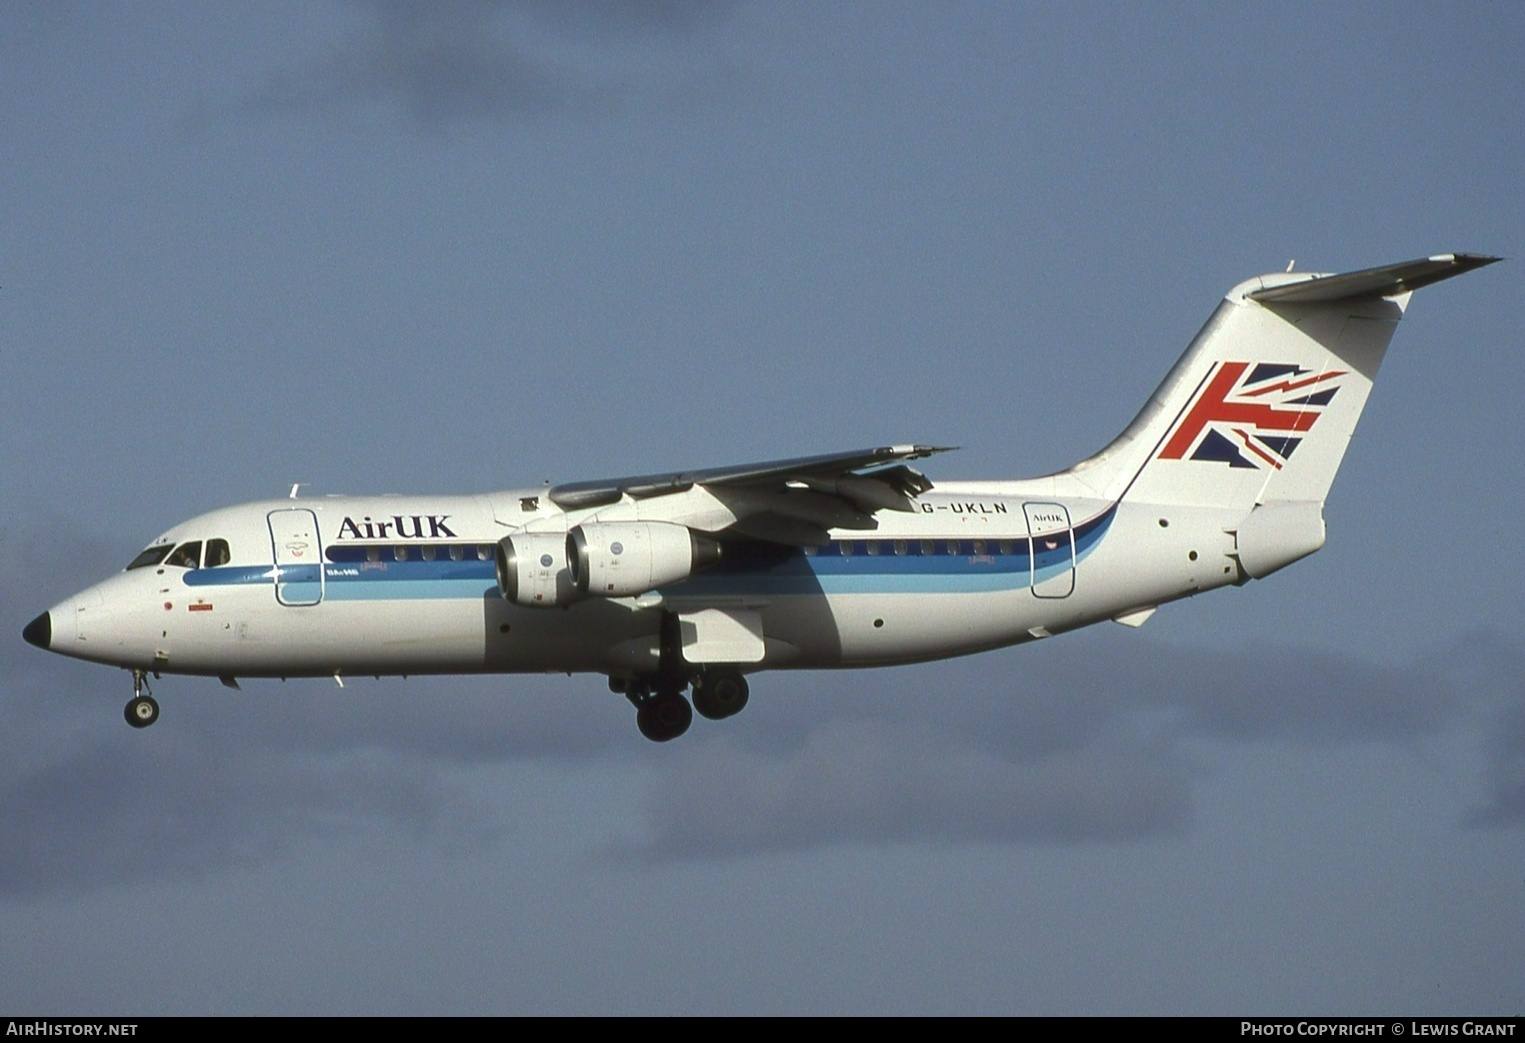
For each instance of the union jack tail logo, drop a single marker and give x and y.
(1252, 415)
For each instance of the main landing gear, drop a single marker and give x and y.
(142, 710)
(662, 715)
(719, 693)
(661, 712)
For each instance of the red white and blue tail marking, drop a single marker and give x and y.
(1252, 415)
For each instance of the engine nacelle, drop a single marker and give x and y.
(532, 569)
(626, 559)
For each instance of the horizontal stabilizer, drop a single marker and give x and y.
(1387, 281)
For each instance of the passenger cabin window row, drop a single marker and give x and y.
(187, 555)
(917, 548)
(193, 554)
(412, 552)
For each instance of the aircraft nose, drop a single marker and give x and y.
(39, 631)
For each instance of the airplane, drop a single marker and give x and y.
(692, 581)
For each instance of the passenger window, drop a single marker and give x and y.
(810, 551)
(484, 552)
(427, 554)
(186, 556)
(373, 554)
(846, 547)
(979, 546)
(400, 553)
(953, 547)
(218, 553)
(151, 556)
(1005, 546)
(900, 546)
(873, 546)
(928, 548)
(456, 552)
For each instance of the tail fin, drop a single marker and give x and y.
(1261, 406)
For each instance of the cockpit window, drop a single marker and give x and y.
(218, 553)
(151, 556)
(187, 555)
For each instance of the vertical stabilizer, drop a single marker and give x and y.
(1263, 403)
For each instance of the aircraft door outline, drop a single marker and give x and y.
(1051, 549)
(298, 550)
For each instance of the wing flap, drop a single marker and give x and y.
(781, 528)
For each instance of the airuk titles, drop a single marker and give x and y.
(397, 527)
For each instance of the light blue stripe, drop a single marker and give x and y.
(409, 590)
(798, 575)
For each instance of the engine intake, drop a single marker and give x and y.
(532, 569)
(626, 559)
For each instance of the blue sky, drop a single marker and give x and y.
(465, 246)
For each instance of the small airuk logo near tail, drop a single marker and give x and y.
(1252, 414)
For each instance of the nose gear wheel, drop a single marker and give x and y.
(142, 709)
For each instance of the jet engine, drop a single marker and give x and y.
(532, 569)
(626, 559)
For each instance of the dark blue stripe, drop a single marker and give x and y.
(347, 553)
(394, 571)
(759, 568)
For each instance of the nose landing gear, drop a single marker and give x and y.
(142, 709)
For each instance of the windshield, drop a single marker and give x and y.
(152, 556)
(188, 556)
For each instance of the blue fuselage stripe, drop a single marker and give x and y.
(897, 566)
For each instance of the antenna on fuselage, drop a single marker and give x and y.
(294, 487)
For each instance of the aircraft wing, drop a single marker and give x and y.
(787, 501)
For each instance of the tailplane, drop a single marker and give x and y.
(1260, 408)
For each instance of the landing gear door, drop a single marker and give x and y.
(298, 556)
(1051, 543)
(722, 635)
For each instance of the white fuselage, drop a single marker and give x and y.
(690, 579)
(406, 585)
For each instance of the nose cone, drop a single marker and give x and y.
(39, 631)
